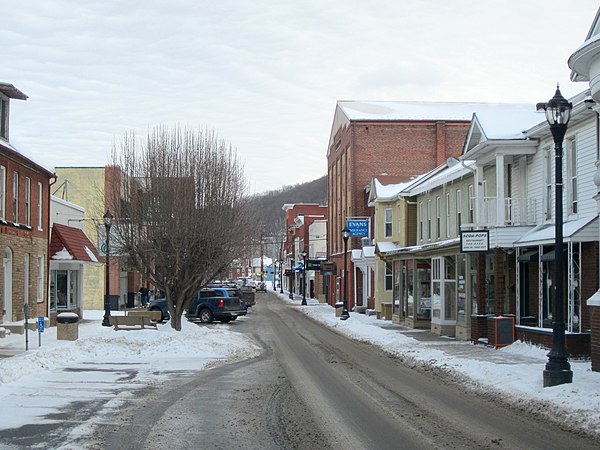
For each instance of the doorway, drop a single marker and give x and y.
(7, 310)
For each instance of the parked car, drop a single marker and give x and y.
(214, 304)
(261, 287)
(248, 295)
(159, 304)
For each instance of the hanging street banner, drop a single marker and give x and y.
(358, 227)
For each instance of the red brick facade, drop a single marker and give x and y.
(24, 234)
(361, 150)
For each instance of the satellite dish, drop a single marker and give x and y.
(451, 162)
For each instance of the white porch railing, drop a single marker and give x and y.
(517, 211)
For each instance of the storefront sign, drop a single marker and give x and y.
(328, 268)
(313, 264)
(358, 227)
(474, 241)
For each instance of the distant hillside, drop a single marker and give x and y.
(267, 206)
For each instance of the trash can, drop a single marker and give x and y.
(67, 324)
(339, 307)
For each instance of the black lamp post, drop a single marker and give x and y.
(303, 277)
(291, 279)
(107, 224)
(275, 275)
(558, 371)
(281, 276)
(345, 236)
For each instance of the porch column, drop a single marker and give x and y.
(500, 209)
(479, 195)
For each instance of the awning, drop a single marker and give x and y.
(548, 256)
(71, 244)
(531, 256)
(580, 230)
(385, 249)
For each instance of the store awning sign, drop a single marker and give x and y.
(474, 241)
(358, 227)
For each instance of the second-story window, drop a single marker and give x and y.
(27, 201)
(15, 197)
(471, 204)
(2, 192)
(387, 213)
(438, 225)
(572, 171)
(40, 206)
(428, 219)
(420, 220)
(448, 215)
(458, 211)
(548, 183)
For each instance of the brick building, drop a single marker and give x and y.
(369, 139)
(298, 218)
(24, 224)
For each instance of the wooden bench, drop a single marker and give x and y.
(140, 321)
(153, 315)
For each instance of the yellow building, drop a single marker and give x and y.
(84, 186)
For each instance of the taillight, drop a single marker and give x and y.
(221, 304)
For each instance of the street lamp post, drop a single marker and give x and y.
(281, 276)
(558, 371)
(275, 274)
(303, 277)
(107, 224)
(345, 235)
(291, 281)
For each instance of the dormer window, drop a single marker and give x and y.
(3, 117)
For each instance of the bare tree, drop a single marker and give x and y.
(180, 209)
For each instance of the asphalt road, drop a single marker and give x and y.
(313, 388)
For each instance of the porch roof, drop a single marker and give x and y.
(580, 230)
(385, 249)
(71, 244)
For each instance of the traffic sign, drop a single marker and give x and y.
(40, 324)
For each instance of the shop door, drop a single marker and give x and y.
(7, 291)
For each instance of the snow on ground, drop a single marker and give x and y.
(514, 371)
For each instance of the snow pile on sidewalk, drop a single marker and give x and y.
(192, 348)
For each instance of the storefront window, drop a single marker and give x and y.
(449, 288)
(436, 299)
(461, 289)
(408, 287)
(64, 289)
(490, 284)
(424, 294)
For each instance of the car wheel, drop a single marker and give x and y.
(162, 316)
(205, 315)
(233, 318)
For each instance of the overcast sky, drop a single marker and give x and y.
(266, 74)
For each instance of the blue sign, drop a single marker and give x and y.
(40, 324)
(358, 227)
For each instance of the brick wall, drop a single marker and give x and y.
(361, 150)
(22, 242)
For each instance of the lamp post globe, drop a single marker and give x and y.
(303, 254)
(107, 225)
(558, 370)
(345, 235)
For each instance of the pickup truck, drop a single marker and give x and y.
(214, 304)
